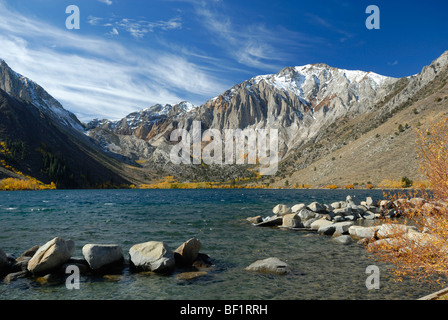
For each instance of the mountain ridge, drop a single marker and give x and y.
(319, 111)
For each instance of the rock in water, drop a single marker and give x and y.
(292, 220)
(98, 255)
(281, 210)
(153, 256)
(187, 253)
(269, 265)
(317, 207)
(4, 263)
(51, 255)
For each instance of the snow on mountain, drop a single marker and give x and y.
(145, 117)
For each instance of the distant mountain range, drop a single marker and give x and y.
(335, 127)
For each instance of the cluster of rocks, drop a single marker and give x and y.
(303, 216)
(52, 259)
(341, 219)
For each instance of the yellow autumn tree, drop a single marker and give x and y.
(421, 252)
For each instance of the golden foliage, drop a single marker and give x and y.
(331, 186)
(390, 184)
(12, 184)
(422, 254)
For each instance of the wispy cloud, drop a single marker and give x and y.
(325, 23)
(98, 77)
(136, 28)
(108, 2)
(252, 45)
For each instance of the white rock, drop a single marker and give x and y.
(344, 239)
(306, 214)
(326, 229)
(152, 256)
(359, 232)
(342, 227)
(269, 265)
(187, 252)
(369, 201)
(297, 207)
(292, 220)
(281, 210)
(317, 207)
(319, 223)
(51, 255)
(336, 205)
(388, 230)
(100, 255)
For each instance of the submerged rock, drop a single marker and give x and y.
(269, 265)
(271, 222)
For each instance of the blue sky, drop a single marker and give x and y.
(131, 54)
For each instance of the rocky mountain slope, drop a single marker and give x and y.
(335, 127)
(39, 138)
(318, 110)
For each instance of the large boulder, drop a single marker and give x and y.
(417, 202)
(187, 252)
(153, 256)
(369, 201)
(269, 265)
(297, 207)
(317, 207)
(51, 255)
(360, 232)
(306, 214)
(102, 255)
(388, 230)
(352, 200)
(292, 220)
(343, 211)
(344, 239)
(281, 210)
(341, 228)
(326, 229)
(319, 223)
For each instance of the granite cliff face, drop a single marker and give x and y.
(298, 101)
(322, 114)
(317, 109)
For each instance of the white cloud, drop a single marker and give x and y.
(136, 28)
(252, 45)
(108, 2)
(98, 77)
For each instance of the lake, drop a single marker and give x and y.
(321, 268)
